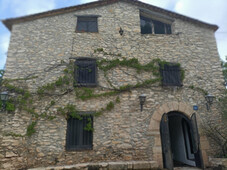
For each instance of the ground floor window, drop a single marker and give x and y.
(78, 137)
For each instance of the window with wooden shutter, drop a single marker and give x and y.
(171, 75)
(87, 24)
(77, 137)
(85, 72)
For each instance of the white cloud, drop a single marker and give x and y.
(4, 44)
(210, 11)
(222, 44)
(86, 1)
(160, 3)
(26, 7)
(167, 4)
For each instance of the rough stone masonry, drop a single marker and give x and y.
(124, 133)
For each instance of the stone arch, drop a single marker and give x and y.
(184, 108)
(154, 126)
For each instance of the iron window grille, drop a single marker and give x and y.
(87, 24)
(171, 75)
(85, 72)
(151, 26)
(77, 138)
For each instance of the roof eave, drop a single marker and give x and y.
(11, 21)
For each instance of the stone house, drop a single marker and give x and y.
(119, 51)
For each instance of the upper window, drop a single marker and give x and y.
(77, 136)
(87, 24)
(85, 72)
(151, 26)
(171, 75)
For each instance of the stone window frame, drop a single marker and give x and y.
(79, 134)
(87, 19)
(76, 72)
(155, 18)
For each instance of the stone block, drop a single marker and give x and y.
(157, 140)
(157, 150)
(158, 160)
(141, 165)
(7, 165)
(182, 107)
(205, 158)
(175, 106)
(157, 116)
(10, 154)
(154, 164)
(117, 165)
(205, 144)
(170, 105)
(165, 108)
(154, 125)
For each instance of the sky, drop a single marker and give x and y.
(210, 11)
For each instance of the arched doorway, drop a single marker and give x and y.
(180, 140)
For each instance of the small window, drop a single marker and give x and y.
(85, 72)
(171, 75)
(87, 24)
(151, 26)
(77, 136)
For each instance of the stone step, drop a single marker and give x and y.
(136, 165)
(186, 168)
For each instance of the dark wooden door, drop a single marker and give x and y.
(196, 141)
(166, 145)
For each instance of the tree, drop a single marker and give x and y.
(216, 129)
(1, 76)
(224, 70)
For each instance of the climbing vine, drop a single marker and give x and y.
(24, 100)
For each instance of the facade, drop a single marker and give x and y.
(42, 46)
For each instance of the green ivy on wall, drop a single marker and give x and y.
(24, 100)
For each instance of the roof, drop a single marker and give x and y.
(11, 21)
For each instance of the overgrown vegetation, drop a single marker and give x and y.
(24, 100)
(216, 129)
(1, 75)
(224, 70)
(31, 128)
(198, 89)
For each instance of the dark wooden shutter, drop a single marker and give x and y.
(194, 133)
(85, 73)
(196, 142)
(87, 24)
(166, 145)
(171, 75)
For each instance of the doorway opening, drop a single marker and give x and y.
(180, 140)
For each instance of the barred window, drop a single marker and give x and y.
(77, 136)
(85, 72)
(87, 24)
(171, 75)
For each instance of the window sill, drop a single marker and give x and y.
(86, 32)
(157, 34)
(78, 149)
(85, 85)
(172, 86)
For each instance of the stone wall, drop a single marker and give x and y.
(125, 133)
